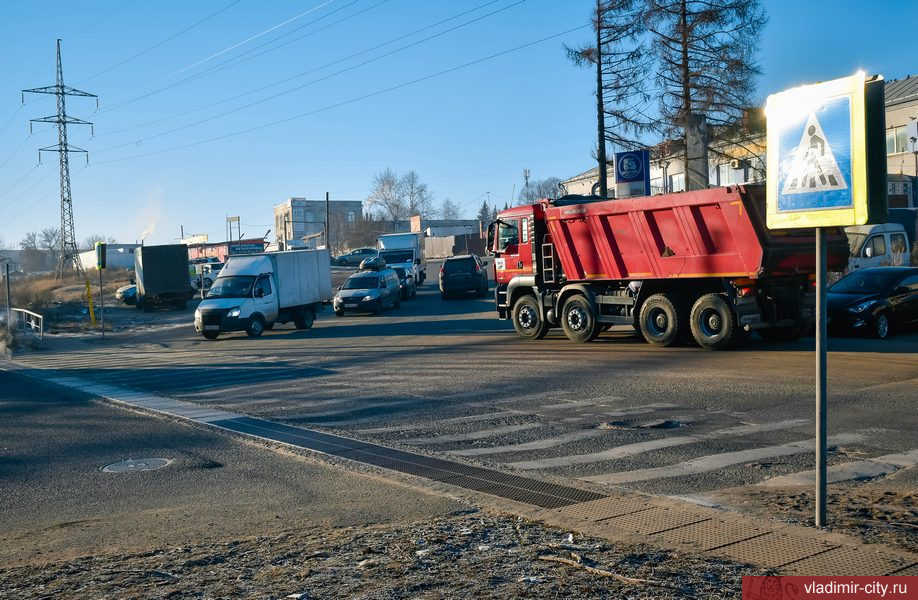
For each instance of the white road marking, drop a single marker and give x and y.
(451, 421)
(536, 445)
(474, 435)
(667, 442)
(860, 469)
(713, 462)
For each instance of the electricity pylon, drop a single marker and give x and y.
(69, 258)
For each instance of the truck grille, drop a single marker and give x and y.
(213, 316)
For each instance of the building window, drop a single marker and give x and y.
(351, 217)
(677, 182)
(656, 186)
(896, 140)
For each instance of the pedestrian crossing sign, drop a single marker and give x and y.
(821, 139)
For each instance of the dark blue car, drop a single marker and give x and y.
(875, 301)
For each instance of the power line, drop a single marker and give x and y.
(313, 82)
(182, 70)
(157, 45)
(347, 102)
(297, 76)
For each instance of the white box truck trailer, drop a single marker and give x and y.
(404, 250)
(255, 291)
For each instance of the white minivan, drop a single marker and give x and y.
(882, 245)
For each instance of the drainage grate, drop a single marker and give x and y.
(512, 487)
(136, 464)
(642, 424)
(846, 561)
(773, 549)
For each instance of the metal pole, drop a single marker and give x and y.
(102, 303)
(9, 302)
(327, 241)
(821, 327)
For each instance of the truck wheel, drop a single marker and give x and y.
(305, 319)
(578, 320)
(782, 334)
(662, 320)
(256, 326)
(210, 335)
(527, 319)
(713, 323)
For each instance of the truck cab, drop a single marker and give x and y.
(404, 250)
(881, 245)
(233, 302)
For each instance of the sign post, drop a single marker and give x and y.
(826, 168)
(100, 265)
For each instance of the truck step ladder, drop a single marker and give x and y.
(548, 260)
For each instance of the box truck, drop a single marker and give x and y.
(404, 250)
(161, 275)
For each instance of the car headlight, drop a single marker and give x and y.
(233, 312)
(197, 314)
(861, 306)
(369, 298)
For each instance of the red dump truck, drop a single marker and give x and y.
(693, 264)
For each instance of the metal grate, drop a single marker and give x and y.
(655, 520)
(847, 561)
(607, 508)
(772, 550)
(709, 534)
(504, 485)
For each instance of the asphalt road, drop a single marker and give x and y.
(57, 502)
(447, 377)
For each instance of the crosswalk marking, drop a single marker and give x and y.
(474, 435)
(714, 462)
(536, 445)
(859, 469)
(450, 421)
(666, 442)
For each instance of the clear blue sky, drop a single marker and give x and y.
(317, 96)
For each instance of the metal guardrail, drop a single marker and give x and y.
(29, 322)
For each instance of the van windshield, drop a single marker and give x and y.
(237, 286)
(855, 241)
(397, 256)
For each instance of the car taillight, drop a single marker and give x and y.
(477, 268)
(745, 291)
(441, 270)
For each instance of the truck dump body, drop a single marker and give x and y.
(718, 232)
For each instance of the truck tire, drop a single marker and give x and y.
(256, 326)
(528, 320)
(578, 320)
(662, 320)
(782, 334)
(713, 323)
(304, 319)
(210, 335)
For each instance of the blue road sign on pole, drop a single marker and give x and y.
(632, 173)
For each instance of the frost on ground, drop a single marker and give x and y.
(469, 554)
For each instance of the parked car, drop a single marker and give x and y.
(464, 273)
(874, 301)
(355, 257)
(127, 293)
(368, 291)
(406, 283)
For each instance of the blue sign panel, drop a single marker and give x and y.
(814, 172)
(632, 168)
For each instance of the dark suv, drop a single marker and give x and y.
(368, 291)
(463, 274)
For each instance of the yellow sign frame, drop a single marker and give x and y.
(797, 103)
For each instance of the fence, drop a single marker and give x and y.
(29, 323)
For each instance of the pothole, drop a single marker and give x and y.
(642, 424)
(136, 464)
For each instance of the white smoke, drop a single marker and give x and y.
(150, 212)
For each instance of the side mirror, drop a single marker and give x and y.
(339, 287)
(417, 261)
(868, 251)
(490, 247)
(484, 263)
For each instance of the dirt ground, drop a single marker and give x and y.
(467, 554)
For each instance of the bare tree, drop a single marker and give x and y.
(418, 198)
(90, 241)
(622, 58)
(535, 191)
(386, 199)
(706, 64)
(33, 258)
(449, 210)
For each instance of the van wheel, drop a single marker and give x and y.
(578, 320)
(210, 335)
(256, 326)
(662, 320)
(527, 319)
(305, 319)
(713, 323)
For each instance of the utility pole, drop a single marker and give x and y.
(69, 256)
(327, 228)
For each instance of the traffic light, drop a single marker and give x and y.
(100, 255)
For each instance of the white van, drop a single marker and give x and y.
(883, 245)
